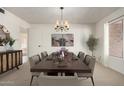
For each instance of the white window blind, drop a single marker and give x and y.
(116, 39)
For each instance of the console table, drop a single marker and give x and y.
(10, 60)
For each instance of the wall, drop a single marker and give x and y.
(40, 34)
(102, 49)
(13, 24)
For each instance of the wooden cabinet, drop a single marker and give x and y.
(10, 60)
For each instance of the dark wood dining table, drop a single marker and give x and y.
(70, 63)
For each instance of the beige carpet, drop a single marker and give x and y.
(102, 76)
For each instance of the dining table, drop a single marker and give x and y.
(69, 63)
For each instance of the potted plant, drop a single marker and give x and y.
(2, 48)
(92, 43)
(8, 43)
(11, 42)
(5, 41)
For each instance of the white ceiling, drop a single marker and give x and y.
(48, 15)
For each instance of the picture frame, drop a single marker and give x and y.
(59, 40)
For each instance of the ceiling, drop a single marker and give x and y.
(48, 15)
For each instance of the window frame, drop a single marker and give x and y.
(119, 19)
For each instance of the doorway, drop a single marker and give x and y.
(24, 43)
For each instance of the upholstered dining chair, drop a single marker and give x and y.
(33, 61)
(44, 54)
(90, 62)
(81, 56)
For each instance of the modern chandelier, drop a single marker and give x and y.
(61, 25)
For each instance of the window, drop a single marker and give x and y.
(116, 39)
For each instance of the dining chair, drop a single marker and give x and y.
(33, 61)
(44, 54)
(81, 56)
(90, 62)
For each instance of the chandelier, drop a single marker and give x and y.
(61, 25)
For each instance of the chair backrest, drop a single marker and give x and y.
(34, 60)
(90, 61)
(44, 54)
(81, 55)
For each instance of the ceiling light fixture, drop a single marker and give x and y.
(61, 25)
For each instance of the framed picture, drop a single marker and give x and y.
(62, 40)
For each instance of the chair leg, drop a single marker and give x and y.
(92, 81)
(31, 80)
(37, 80)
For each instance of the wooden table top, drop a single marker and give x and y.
(69, 64)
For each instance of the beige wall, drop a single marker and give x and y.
(40, 34)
